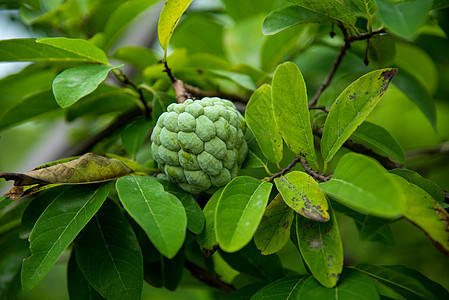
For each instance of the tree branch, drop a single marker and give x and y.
(125, 80)
(312, 173)
(288, 168)
(208, 277)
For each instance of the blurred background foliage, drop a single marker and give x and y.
(219, 43)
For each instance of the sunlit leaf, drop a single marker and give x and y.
(58, 226)
(291, 111)
(274, 229)
(300, 191)
(260, 119)
(361, 183)
(239, 211)
(351, 108)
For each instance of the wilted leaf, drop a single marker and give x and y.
(274, 229)
(89, 168)
(260, 119)
(351, 108)
(300, 191)
(321, 248)
(239, 211)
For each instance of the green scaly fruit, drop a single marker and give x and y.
(200, 144)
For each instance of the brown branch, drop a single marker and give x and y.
(288, 168)
(125, 80)
(322, 107)
(312, 173)
(208, 277)
(348, 40)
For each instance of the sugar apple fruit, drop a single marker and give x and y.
(200, 144)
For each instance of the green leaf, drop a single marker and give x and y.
(368, 7)
(246, 8)
(58, 226)
(249, 261)
(122, 17)
(291, 15)
(301, 193)
(405, 282)
(72, 84)
(28, 108)
(51, 50)
(77, 285)
(195, 216)
(321, 248)
(108, 254)
(4, 203)
(286, 288)
(413, 88)
(352, 285)
(239, 211)
(207, 238)
(427, 185)
(138, 56)
(291, 110)
(351, 108)
(274, 229)
(329, 8)
(134, 134)
(245, 292)
(404, 18)
(172, 270)
(423, 211)
(260, 119)
(361, 183)
(159, 213)
(379, 139)
(170, 15)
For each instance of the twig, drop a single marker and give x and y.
(322, 107)
(312, 173)
(348, 40)
(209, 278)
(288, 168)
(439, 149)
(113, 127)
(125, 80)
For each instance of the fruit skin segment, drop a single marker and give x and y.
(200, 144)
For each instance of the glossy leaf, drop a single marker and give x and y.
(58, 226)
(207, 239)
(51, 50)
(170, 15)
(329, 8)
(321, 248)
(291, 15)
(300, 191)
(28, 108)
(380, 140)
(286, 288)
(427, 185)
(274, 229)
(404, 281)
(423, 211)
(159, 213)
(260, 119)
(249, 261)
(108, 254)
(122, 17)
(89, 168)
(77, 285)
(134, 134)
(418, 93)
(404, 18)
(352, 285)
(361, 183)
(351, 108)
(291, 112)
(72, 84)
(239, 211)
